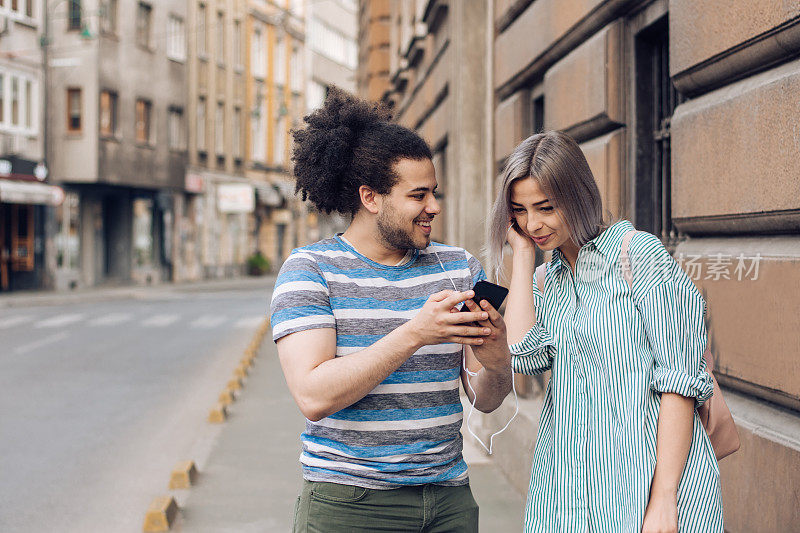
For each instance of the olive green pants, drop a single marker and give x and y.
(330, 508)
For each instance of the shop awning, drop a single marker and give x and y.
(268, 195)
(25, 192)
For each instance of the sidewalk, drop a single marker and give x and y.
(131, 292)
(251, 478)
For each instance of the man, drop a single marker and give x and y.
(369, 338)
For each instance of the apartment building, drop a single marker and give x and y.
(332, 56)
(26, 197)
(115, 101)
(275, 100)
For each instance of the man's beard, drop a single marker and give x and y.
(392, 233)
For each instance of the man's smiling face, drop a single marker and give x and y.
(405, 215)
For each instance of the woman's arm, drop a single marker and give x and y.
(520, 315)
(675, 420)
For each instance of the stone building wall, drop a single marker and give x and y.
(687, 112)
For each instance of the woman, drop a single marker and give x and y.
(620, 447)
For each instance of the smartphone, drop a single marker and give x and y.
(484, 290)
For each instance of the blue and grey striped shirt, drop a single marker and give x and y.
(407, 431)
(612, 352)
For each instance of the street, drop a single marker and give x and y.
(100, 400)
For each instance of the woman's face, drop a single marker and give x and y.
(536, 216)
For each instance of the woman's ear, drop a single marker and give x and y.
(369, 199)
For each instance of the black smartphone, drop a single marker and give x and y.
(484, 290)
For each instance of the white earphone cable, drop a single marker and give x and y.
(474, 394)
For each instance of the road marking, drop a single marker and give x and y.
(249, 322)
(14, 321)
(41, 342)
(59, 320)
(111, 320)
(160, 321)
(208, 321)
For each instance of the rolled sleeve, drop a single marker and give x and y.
(699, 387)
(673, 312)
(534, 353)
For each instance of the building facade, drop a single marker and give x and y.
(687, 113)
(332, 58)
(115, 100)
(275, 100)
(26, 198)
(217, 207)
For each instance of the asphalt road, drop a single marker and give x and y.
(98, 401)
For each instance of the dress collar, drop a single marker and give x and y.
(607, 243)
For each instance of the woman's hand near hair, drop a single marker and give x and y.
(518, 240)
(520, 315)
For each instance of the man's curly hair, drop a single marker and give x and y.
(347, 143)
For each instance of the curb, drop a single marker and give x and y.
(162, 512)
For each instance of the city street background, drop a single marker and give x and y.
(102, 399)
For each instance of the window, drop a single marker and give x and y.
(108, 113)
(66, 239)
(258, 132)
(28, 104)
(237, 43)
(29, 8)
(201, 29)
(219, 129)
(296, 72)
(15, 101)
(143, 232)
(656, 99)
(18, 97)
(109, 20)
(280, 61)
(176, 38)
(22, 238)
(201, 124)
(220, 37)
(280, 140)
(257, 53)
(237, 132)
(73, 110)
(143, 120)
(315, 95)
(143, 15)
(177, 138)
(332, 44)
(73, 16)
(537, 114)
(296, 7)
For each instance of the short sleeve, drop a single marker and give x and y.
(534, 353)
(300, 300)
(673, 313)
(475, 269)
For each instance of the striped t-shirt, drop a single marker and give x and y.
(407, 431)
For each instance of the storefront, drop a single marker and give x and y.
(24, 205)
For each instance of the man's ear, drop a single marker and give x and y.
(370, 199)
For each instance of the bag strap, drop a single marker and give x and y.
(541, 271)
(624, 258)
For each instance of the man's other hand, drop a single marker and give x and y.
(493, 353)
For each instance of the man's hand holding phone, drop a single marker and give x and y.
(436, 323)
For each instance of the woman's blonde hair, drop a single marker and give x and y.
(556, 163)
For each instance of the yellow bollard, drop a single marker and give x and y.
(183, 475)
(160, 515)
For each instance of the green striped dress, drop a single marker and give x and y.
(612, 352)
